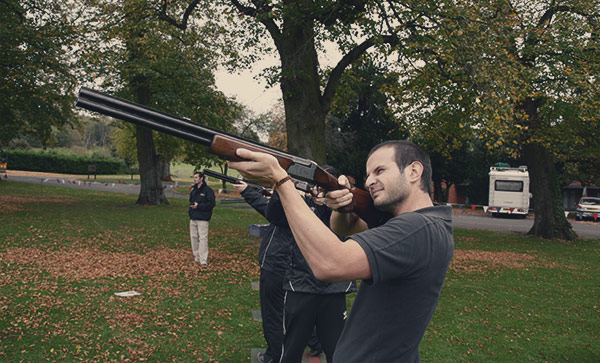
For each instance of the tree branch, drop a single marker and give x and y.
(343, 10)
(351, 56)
(186, 15)
(260, 8)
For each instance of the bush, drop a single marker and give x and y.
(53, 162)
(19, 144)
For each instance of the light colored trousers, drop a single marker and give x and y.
(199, 238)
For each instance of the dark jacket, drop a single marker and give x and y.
(299, 276)
(206, 202)
(273, 254)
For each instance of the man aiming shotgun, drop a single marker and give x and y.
(402, 262)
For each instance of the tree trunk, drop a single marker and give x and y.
(224, 169)
(165, 168)
(447, 192)
(550, 221)
(151, 188)
(300, 86)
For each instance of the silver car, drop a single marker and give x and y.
(587, 208)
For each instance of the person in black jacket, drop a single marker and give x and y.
(274, 260)
(202, 202)
(308, 302)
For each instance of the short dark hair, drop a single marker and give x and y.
(201, 174)
(407, 152)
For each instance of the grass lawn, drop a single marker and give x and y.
(65, 252)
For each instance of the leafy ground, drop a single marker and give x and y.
(65, 252)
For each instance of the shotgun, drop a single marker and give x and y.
(224, 145)
(264, 191)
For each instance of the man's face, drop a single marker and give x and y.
(387, 185)
(197, 179)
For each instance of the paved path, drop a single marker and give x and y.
(73, 182)
(507, 224)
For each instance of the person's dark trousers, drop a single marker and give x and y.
(271, 309)
(313, 342)
(304, 311)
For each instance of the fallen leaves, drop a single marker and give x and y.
(15, 203)
(481, 261)
(90, 262)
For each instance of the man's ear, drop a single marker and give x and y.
(414, 171)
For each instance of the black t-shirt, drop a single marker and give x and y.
(409, 256)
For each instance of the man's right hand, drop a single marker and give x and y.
(344, 224)
(240, 186)
(336, 199)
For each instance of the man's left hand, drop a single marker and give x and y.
(259, 168)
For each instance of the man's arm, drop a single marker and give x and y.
(252, 196)
(329, 258)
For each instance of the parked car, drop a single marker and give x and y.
(587, 207)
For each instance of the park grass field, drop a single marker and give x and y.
(65, 252)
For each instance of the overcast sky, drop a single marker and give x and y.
(254, 94)
(248, 91)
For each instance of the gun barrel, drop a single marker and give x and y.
(125, 110)
(144, 116)
(220, 176)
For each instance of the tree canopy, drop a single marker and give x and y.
(522, 76)
(144, 59)
(36, 43)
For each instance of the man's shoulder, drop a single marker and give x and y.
(206, 188)
(410, 222)
(441, 212)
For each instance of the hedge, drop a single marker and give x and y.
(52, 162)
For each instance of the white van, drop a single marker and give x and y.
(509, 191)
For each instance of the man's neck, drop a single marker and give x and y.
(414, 202)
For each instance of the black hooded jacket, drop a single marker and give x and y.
(205, 197)
(273, 254)
(299, 276)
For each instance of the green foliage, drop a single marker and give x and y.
(174, 65)
(52, 161)
(361, 117)
(509, 75)
(123, 138)
(36, 39)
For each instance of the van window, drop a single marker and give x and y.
(509, 186)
